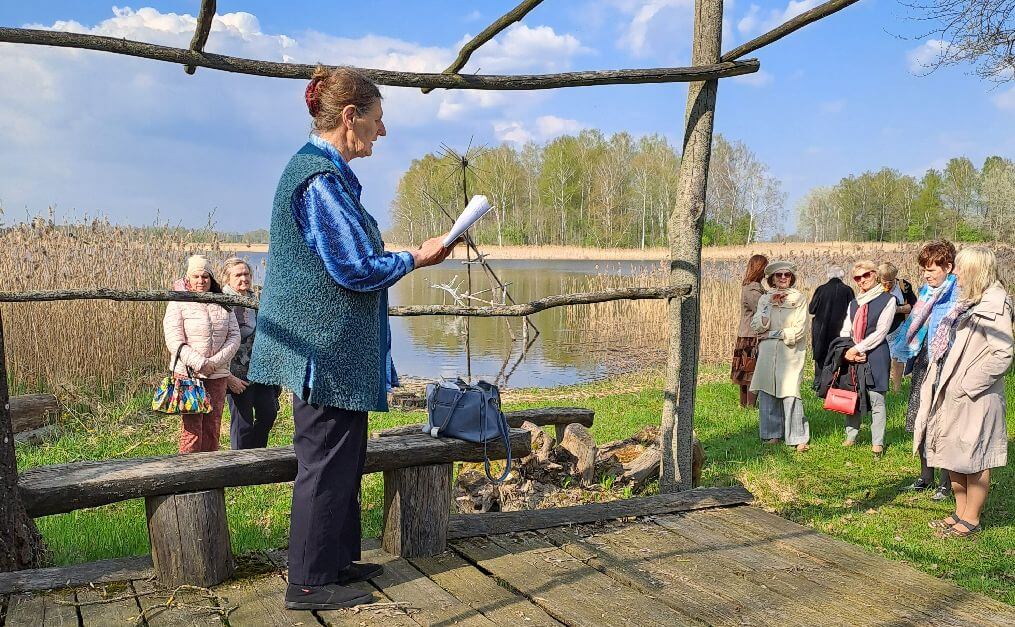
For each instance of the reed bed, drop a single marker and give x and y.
(641, 327)
(76, 345)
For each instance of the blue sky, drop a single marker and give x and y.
(96, 134)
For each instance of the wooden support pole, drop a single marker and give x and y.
(685, 228)
(795, 24)
(189, 537)
(417, 507)
(204, 20)
(20, 543)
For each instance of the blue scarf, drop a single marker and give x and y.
(933, 305)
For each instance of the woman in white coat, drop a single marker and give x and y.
(780, 322)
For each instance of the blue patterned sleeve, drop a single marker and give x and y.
(332, 227)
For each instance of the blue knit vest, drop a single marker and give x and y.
(306, 317)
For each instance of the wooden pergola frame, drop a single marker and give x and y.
(18, 536)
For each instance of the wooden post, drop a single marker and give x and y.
(417, 505)
(189, 537)
(20, 543)
(684, 231)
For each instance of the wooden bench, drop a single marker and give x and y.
(559, 417)
(185, 502)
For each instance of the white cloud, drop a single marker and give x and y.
(121, 133)
(652, 27)
(761, 78)
(922, 57)
(545, 127)
(832, 106)
(1005, 100)
(757, 21)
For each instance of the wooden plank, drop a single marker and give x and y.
(481, 592)
(567, 589)
(102, 571)
(112, 604)
(260, 601)
(66, 487)
(541, 417)
(771, 581)
(42, 610)
(182, 606)
(402, 582)
(379, 614)
(469, 525)
(895, 581)
(32, 411)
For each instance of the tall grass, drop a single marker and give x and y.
(74, 344)
(641, 326)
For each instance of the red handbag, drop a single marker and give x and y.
(842, 401)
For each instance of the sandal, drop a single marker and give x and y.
(943, 523)
(970, 529)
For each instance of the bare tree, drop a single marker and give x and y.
(980, 32)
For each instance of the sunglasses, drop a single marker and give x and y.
(863, 276)
(783, 275)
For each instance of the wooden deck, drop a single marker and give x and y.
(726, 566)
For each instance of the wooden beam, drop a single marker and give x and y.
(470, 525)
(795, 24)
(540, 417)
(685, 227)
(104, 571)
(519, 309)
(488, 33)
(32, 411)
(66, 487)
(204, 20)
(381, 77)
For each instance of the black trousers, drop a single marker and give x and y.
(324, 529)
(252, 415)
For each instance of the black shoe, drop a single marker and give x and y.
(359, 572)
(943, 492)
(329, 597)
(919, 485)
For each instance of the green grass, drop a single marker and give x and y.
(842, 492)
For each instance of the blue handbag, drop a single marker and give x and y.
(467, 412)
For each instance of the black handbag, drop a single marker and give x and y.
(468, 412)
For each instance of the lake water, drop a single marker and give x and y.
(433, 346)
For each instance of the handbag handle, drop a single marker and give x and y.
(176, 360)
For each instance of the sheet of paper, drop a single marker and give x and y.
(476, 209)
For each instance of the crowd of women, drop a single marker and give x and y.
(954, 338)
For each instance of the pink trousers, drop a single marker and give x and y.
(200, 432)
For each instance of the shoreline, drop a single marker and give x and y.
(580, 253)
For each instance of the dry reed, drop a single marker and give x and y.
(67, 345)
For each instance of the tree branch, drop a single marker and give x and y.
(795, 24)
(509, 18)
(382, 77)
(204, 19)
(520, 309)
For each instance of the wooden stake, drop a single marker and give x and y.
(685, 227)
(20, 543)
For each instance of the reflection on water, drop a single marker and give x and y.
(432, 346)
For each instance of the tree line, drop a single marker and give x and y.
(587, 189)
(959, 202)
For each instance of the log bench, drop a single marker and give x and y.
(559, 417)
(185, 503)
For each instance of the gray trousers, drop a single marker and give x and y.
(783, 418)
(879, 416)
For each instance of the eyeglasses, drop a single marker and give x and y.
(863, 276)
(783, 275)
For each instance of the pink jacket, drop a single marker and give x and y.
(210, 333)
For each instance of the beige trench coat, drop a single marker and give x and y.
(781, 349)
(963, 421)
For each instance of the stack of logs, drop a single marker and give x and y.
(567, 472)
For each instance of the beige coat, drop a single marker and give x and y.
(963, 422)
(781, 349)
(210, 333)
